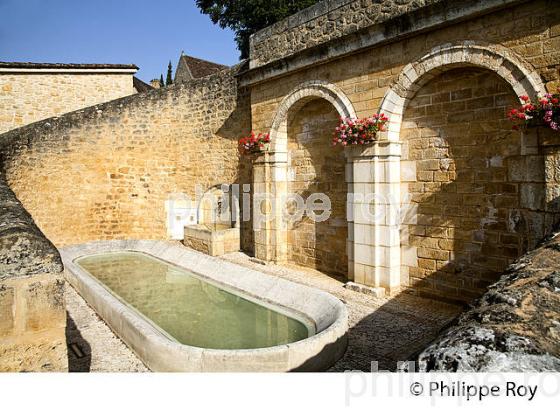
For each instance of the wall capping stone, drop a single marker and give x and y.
(437, 15)
(24, 249)
(79, 118)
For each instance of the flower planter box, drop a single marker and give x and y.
(254, 144)
(356, 131)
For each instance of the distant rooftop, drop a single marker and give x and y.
(140, 86)
(191, 67)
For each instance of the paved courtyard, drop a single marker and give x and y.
(380, 330)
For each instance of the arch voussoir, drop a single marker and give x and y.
(518, 73)
(303, 92)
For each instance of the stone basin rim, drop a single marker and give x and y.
(317, 352)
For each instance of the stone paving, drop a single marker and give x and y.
(385, 331)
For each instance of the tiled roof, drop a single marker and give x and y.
(140, 85)
(201, 68)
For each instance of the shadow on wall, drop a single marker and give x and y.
(478, 189)
(123, 159)
(237, 125)
(480, 203)
(408, 323)
(315, 167)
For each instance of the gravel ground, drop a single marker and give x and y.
(92, 346)
(382, 331)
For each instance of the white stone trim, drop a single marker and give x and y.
(315, 89)
(272, 243)
(522, 77)
(519, 74)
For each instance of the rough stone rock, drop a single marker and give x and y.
(514, 327)
(24, 250)
(32, 313)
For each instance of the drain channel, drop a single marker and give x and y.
(78, 352)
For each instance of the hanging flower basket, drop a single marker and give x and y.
(543, 112)
(254, 144)
(359, 131)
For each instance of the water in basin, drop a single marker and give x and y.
(189, 309)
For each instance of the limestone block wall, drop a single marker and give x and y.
(476, 194)
(531, 31)
(107, 171)
(315, 168)
(528, 31)
(29, 97)
(322, 22)
(32, 310)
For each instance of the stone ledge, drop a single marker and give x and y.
(24, 250)
(437, 15)
(367, 290)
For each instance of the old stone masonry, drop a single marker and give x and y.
(459, 197)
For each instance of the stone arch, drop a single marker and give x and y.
(270, 175)
(300, 96)
(518, 73)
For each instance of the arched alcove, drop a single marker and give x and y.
(311, 111)
(451, 174)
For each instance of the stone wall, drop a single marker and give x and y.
(530, 31)
(107, 171)
(32, 310)
(29, 97)
(474, 211)
(332, 28)
(316, 168)
(325, 21)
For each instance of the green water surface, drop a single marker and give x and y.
(188, 309)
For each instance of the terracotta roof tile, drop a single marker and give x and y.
(201, 68)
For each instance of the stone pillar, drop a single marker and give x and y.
(270, 189)
(373, 176)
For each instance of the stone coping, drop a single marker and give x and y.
(24, 249)
(159, 353)
(381, 30)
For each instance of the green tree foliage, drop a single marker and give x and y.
(169, 79)
(246, 17)
(161, 83)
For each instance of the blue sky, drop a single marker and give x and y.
(143, 32)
